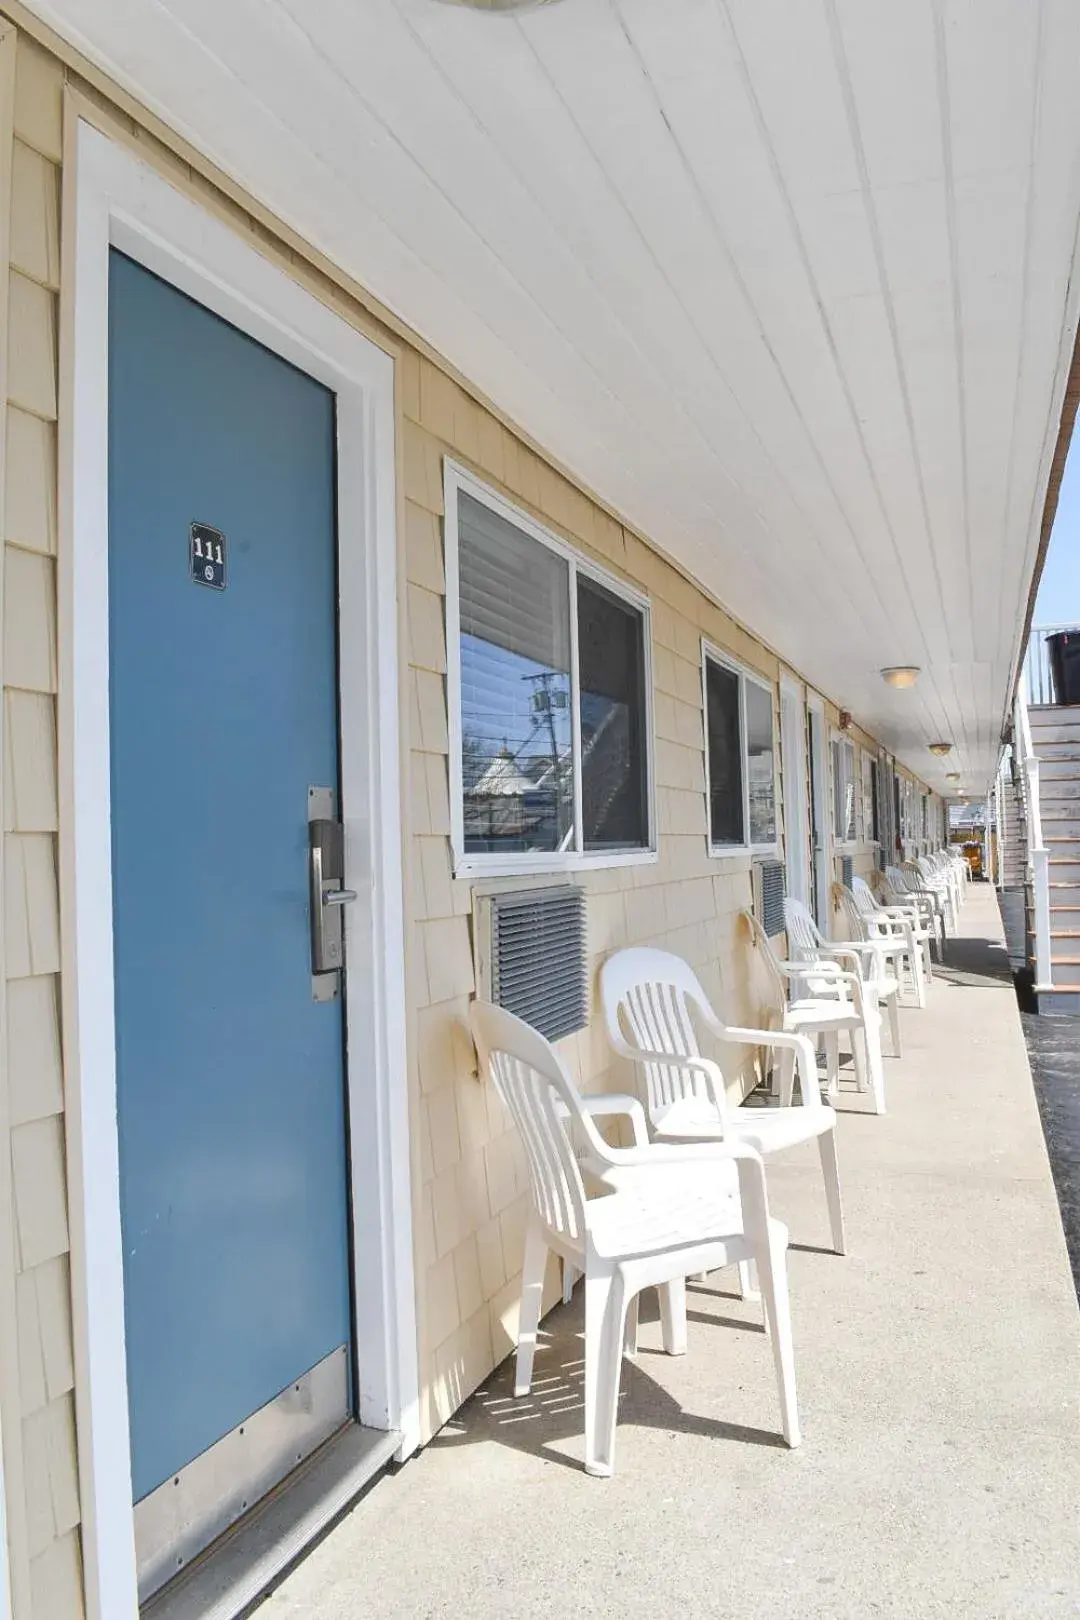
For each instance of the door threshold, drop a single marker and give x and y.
(239, 1567)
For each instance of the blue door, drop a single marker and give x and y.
(223, 702)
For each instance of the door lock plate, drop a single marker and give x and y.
(327, 894)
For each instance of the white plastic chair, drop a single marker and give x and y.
(821, 1012)
(650, 999)
(917, 909)
(940, 883)
(954, 870)
(899, 948)
(909, 884)
(863, 958)
(673, 1211)
(919, 938)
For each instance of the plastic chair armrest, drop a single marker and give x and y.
(801, 1045)
(658, 1153)
(675, 1060)
(614, 1104)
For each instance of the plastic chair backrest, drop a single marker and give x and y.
(848, 906)
(863, 896)
(898, 880)
(806, 937)
(647, 996)
(532, 1083)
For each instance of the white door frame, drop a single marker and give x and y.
(821, 859)
(112, 198)
(797, 852)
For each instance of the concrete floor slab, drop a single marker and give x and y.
(938, 1364)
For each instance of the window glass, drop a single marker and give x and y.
(875, 802)
(516, 740)
(726, 824)
(843, 759)
(518, 692)
(760, 764)
(611, 664)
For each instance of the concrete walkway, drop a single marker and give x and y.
(938, 1377)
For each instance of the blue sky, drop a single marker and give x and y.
(1059, 592)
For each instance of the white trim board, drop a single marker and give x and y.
(111, 198)
(798, 856)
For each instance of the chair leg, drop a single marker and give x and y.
(605, 1313)
(532, 1289)
(673, 1316)
(787, 1076)
(915, 959)
(630, 1328)
(569, 1276)
(772, 1267)
(748, 1282)
(858, 1061)
(894, 1026)
(832, 1061)
(875, 1065)
(830, 1170)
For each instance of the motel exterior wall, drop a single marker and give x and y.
(467, 1172)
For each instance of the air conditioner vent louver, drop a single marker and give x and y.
(770, 887)
(846, 871)
(536, 957)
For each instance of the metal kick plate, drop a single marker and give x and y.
(182, 1517)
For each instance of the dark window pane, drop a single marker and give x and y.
(875, 802)
(760, 764)
(517, 758)
(725, 755)
(611, 678)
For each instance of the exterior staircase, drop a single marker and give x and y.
(1055, 736)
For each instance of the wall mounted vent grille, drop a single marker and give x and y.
(532, 956)
(846, 871)
(770, 887)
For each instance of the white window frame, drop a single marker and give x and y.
(843, 846)
(457, 480)
(709, 651)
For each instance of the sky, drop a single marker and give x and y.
(1059, 592)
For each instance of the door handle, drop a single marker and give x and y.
(326, 870)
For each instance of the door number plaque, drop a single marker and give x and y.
(208, 555)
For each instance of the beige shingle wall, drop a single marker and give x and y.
(48, 1512)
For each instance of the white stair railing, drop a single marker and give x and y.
(1038, 856)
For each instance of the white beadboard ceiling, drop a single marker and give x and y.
(787, 282)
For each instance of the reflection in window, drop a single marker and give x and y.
(726, 824)
(843, 758)
(760, 764)
(611, 664)
(516, 737)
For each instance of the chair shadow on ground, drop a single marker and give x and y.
(554, 1411)
(975, 964)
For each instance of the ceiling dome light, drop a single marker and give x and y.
(901, 675)
(953, 776)
(940, 749)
